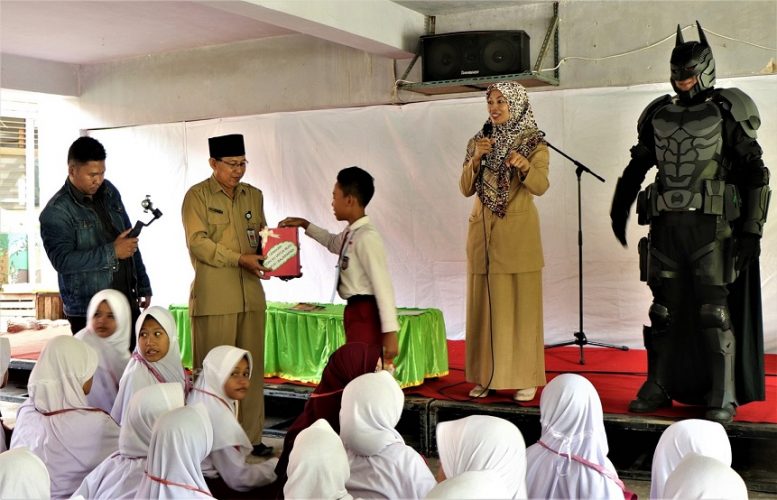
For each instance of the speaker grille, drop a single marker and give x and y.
(465, 54)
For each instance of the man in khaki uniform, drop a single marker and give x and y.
(222, 218)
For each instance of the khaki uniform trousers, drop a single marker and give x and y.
(246, 331)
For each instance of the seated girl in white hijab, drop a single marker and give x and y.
(23, 475)
(225, 377)
(702, 437)
(107, 331)
(56, 422)
(179, 443)
(483, 443)
(700, 477)
(318, 465)
(570, 459)
(119, 475)
(5, 362)
(382, 465)
(157, 358)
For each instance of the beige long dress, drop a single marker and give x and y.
(504, 307)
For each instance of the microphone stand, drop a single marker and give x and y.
(580, 338)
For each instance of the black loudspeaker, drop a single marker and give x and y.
(466, 54)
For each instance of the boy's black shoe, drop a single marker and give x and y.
(262, 450)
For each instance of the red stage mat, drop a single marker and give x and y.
(617, 376)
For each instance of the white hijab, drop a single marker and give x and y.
(182, 438)
(23, 475)
(473, 484)
(318, 465)
(58, 377)
(119, 475)
(71, 443)
(137, 375)
(369, 412)
(209, 390)
(382, 465)
(5, 361)
(483, 442)
(113, 351)
(693, 435)
(703, 477)
(572, 423)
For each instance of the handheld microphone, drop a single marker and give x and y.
(488, 129)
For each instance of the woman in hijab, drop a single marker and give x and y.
(702, 437)
(56, 422)
(471, 485)
(224, 381)
(180, 442)
(701, 477)
(382, 465)
(506, 165)
(318, 465)
(23, 475)
(156, 359)
(5, 362)
(570, 459)
(108, 332)
(119, 475)
(484, 443)
(345, 364)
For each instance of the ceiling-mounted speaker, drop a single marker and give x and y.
(467, 54)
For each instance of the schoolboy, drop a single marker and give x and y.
(363, 280)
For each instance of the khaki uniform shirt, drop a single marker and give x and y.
(216, 229)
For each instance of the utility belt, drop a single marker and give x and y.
(715, 198)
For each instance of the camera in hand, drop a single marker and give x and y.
(147, 206)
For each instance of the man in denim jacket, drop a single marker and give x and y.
(85, 231)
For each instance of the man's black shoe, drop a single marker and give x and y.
(262, 450)
(640, 405)
(721, 415)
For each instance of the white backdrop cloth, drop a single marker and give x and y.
(415, 153)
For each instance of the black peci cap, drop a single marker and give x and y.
(226, 145)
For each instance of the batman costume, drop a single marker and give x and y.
(706, 210)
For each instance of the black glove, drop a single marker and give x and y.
(618, 220)
(621, 205)
(748, 249)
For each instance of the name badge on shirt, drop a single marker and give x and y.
(251, 233)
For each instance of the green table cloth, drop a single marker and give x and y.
(297, 344)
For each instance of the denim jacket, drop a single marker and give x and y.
(79, 250)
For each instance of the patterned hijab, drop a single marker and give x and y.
(519, 133)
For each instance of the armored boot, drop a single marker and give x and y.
(721, 399)
(653, 394)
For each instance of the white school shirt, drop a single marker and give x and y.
(483, 442)
(686, 436)
(318, 465)
(382, 465)
(23, 475)
(473, 484)
(5, 361)
(112, 351)
(231, 445)
(181, 440)
(137, 375)
(703, 477)
(119, 475)
(74, 441)
(572, 423)
(363, 267)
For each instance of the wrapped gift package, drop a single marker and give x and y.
(280, 245)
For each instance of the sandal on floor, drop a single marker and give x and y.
(525, 394)
(479, 392)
